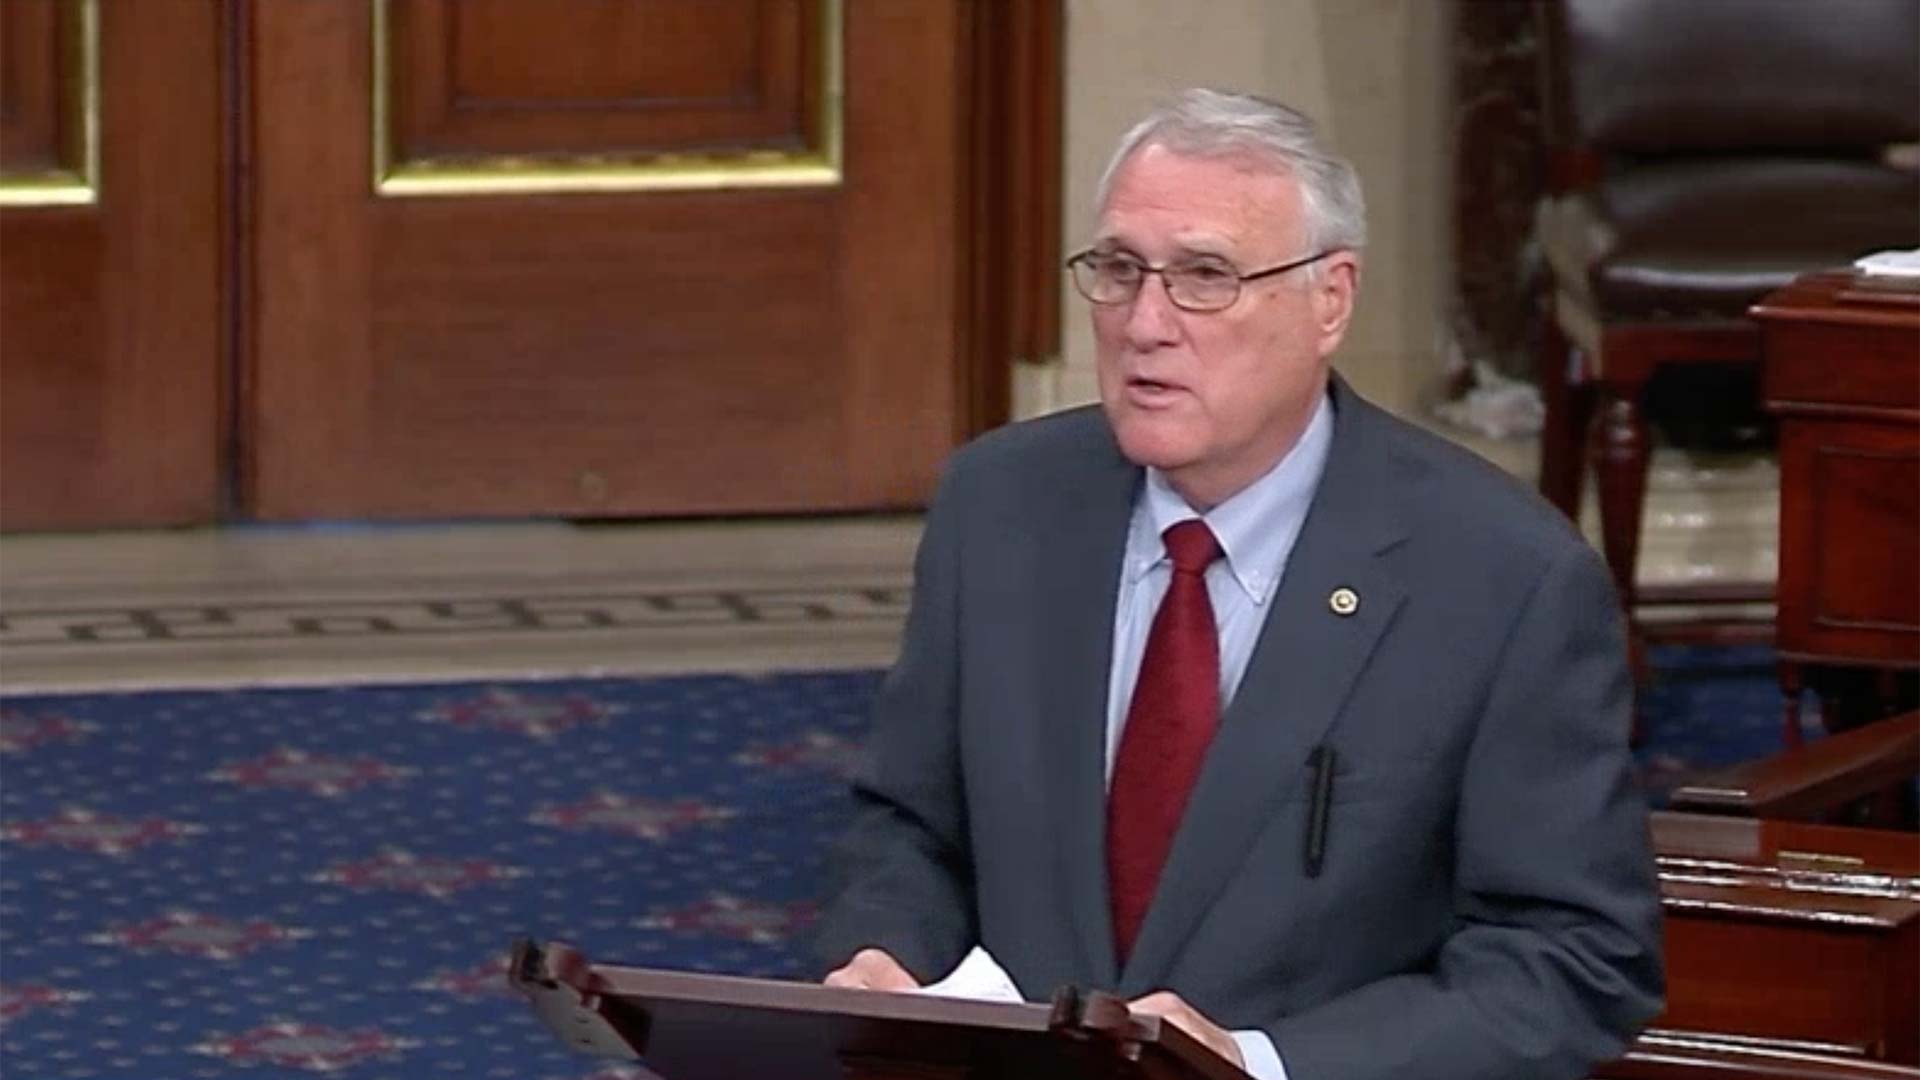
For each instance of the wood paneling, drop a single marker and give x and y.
(1726, 975)
(1014, 100)
(110, 313)
(835, 246)
(602, 77)
(637, 354)
(1859, 578)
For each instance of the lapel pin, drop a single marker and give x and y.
(1344, 601)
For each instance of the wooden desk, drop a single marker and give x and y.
(1660, 1057)
(1791, 937)
(1841, 357)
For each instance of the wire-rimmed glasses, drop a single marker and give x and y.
(1201, 284)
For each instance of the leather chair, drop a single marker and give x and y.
(1701, 154)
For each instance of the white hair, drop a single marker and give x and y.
(1210, 124)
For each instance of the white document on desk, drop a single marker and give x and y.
(1896, 263)
(979, 977)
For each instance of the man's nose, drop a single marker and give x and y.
(1152, 318)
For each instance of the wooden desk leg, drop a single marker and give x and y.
(1619, 449)
(1792, 682)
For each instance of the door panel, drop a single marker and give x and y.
(534, 312)
(110, 310)
(506, 77)
(35, 37)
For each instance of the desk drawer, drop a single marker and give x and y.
(1850, 540)
(1790, 980)
(1812, 363)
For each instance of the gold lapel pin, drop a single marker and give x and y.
(1344, 601)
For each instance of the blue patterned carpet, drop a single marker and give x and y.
(290, 883)
(1710, 707)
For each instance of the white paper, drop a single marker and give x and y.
(1890, 263)
(979, 977)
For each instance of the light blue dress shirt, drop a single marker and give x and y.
(1256, 528)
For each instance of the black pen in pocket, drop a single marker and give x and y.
(1322, 761)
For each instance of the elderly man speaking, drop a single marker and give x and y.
(1297, 726)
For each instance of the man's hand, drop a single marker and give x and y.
(874, 969)
(1169, 1007)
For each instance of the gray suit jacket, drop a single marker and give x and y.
(1487, 906)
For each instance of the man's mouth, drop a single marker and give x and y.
(1145, 385)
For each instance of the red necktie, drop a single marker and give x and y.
(1175, 707)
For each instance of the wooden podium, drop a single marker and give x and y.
(712, 1027)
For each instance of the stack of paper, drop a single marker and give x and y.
(978, 978)
(1890, 264)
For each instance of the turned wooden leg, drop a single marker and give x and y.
(1619, 449)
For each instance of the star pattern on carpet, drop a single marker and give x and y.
(228, 885)
(195, 934)
(651, 819)
(313, 1047)
(80, 829)
(532, 713)
(21, 730)
(740, 918)
(316, 774)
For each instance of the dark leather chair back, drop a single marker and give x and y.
(1653, 77)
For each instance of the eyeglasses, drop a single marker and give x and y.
(1199, 285)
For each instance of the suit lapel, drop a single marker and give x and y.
(1078, 593)
(1299, 674)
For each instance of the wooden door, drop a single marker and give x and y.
(110, 312)
(603, 257)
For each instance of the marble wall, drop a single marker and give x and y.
(1499, 172)
(1376, 73)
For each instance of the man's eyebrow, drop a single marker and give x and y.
(1216, 247)
(1199, 248)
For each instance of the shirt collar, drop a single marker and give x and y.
(1256, 527)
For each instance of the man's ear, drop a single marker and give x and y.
(1333, 296)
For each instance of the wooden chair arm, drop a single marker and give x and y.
(1803, 783)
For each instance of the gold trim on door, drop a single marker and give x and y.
(78, 184)
(818, 166)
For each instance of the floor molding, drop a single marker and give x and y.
(296, 607)
(330, 604)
